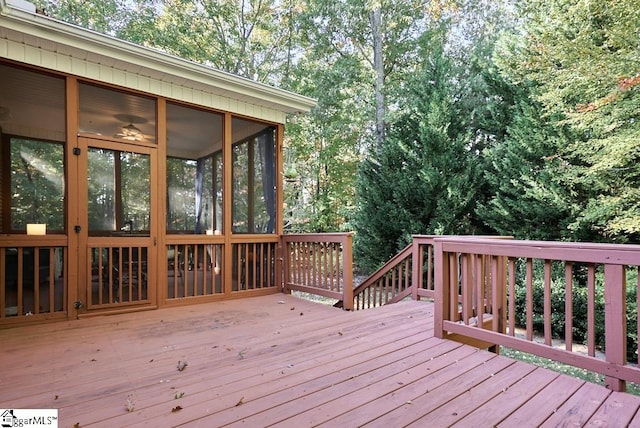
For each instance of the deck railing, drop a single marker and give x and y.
(389, 284)
(196, 267)
(499, 280)
(33, 279)
(320, 264)
(408, 273)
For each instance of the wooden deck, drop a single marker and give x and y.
(278, 360)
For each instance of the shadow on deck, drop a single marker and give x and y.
(279, 360)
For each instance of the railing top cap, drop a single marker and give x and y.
(499, 241)
(581, 252)
(319, 234)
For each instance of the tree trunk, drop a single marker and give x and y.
(378, 66)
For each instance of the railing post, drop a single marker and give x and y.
(347, 272)
(284, 263)
(615, 322)
(416, 269)
(500, 303)
(440, 283)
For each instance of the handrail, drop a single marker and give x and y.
(388, 284)
(408, 273)
(394, 261)
(487, 272)
(320, 264)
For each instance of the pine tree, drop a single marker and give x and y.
(526, 175)
(425, 178)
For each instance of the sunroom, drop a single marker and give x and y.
(130, 179)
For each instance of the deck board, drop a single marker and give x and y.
(577, 410)
(502, 405)
(618, 410)
(277, 360)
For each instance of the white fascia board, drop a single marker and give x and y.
(44, 27)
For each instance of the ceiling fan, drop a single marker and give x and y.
(130, 132)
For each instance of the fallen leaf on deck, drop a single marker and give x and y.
(129, 406)
(55, 398)
(239, 403)
(76, 425)
(181, 365)
(176, 409)
(179, 395)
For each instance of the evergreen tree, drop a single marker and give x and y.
(424, 180)
(525, 173)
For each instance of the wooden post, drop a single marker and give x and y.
(500, 304)
(615, 322)
(283, 255)
(227, 207)
(416, 268)
(75, 274)
(347, 272)
(440, 283)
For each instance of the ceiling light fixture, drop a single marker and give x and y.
(130, 132)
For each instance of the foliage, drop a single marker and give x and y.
(107, 16)
(529, 198)
(584, 57)
(322, 147)
(424, 180)
(338, 68)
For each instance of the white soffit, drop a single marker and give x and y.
(19, 24)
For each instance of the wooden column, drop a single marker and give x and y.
(75, 272)
(416, 268)
(159, 252)
(347, 274)
(615, 321)
(227, 205)
(440, 283)
(281, 248)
